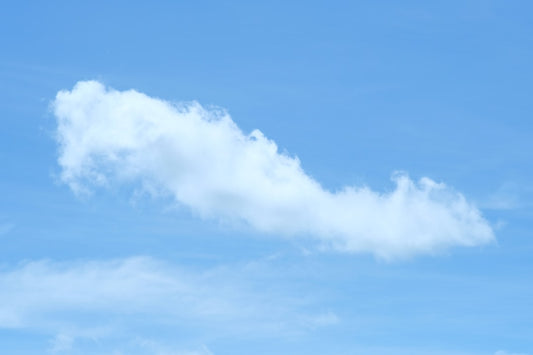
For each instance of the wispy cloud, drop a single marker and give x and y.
(61, 343)
(503, 352)
(154, 347)
(509, 195)
(6, 228)
(202, 159)
(82, 301)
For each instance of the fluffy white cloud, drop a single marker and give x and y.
(202, 159)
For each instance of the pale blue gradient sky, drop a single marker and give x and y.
(357, 90)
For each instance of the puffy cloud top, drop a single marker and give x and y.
(207, 163)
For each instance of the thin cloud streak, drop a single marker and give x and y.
(111, 300)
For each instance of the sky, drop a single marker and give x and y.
(266, 178)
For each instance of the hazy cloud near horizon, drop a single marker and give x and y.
(204, 161)
(102, 300)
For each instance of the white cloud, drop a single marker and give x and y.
(140, 285)
(61, 343)
(204, 161)
(509, 195)
(80, 303)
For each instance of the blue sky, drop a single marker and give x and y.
(213, 243)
